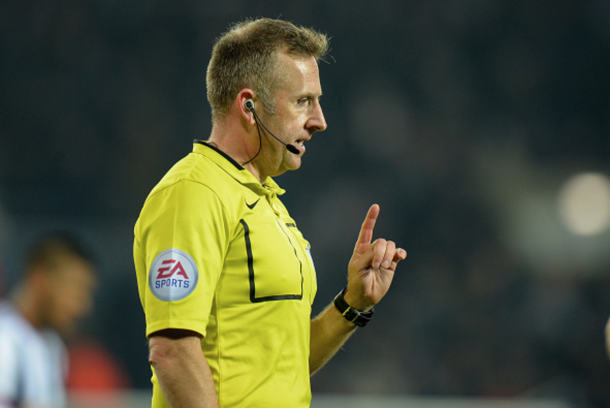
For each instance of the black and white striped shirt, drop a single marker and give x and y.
(33, 363)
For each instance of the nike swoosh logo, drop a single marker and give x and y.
(251, 206)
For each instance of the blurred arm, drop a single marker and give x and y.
(608, 337)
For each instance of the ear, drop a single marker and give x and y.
(243, 96)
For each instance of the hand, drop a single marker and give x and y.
(372, 266)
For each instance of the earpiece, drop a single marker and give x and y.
(249, 104)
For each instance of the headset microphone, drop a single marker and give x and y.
(250, 107)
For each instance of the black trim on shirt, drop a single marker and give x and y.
(253, 297)
(217, 150)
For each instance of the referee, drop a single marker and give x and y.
(225, 277)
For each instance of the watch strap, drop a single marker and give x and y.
(349, 313)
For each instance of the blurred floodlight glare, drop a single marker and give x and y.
(584, 204)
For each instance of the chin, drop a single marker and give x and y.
(294, 162)
(288, 163)
(294, 167)
(65, 329)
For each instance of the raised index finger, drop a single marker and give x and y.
(366, 231)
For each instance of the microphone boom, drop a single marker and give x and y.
(250, 106)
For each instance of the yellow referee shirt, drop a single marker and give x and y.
(216, 252)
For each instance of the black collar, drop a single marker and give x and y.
(223, 154)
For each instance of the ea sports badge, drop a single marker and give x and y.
(173, 275)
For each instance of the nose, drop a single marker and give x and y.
(317, 122)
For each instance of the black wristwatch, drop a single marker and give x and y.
(352, 315)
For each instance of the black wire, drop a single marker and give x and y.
(260, 142)
(258, 120)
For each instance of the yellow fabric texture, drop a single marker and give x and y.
(256, 281)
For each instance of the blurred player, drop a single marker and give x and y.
(56, 290)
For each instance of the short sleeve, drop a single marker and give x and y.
(181, 239)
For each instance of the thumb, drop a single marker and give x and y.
(363, 256)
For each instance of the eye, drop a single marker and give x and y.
(304, 101)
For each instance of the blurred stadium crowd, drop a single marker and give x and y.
(462, 119)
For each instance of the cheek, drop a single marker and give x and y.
(71, 301)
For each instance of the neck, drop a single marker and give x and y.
(27, 305)
(234, 142)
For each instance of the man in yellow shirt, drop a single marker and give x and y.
(225, 278)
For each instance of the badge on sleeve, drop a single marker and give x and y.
(173, 275)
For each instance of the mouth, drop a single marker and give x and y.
(300, 144)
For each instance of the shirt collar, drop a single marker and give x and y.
(236, 170)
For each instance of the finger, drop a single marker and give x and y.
(379, 250)
(366, 231)
(390, 252)
(400, 254)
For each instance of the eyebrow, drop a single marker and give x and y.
(312, 95)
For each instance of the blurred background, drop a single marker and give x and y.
(481, 127)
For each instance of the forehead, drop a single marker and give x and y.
(69, 267)
(300, 74)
